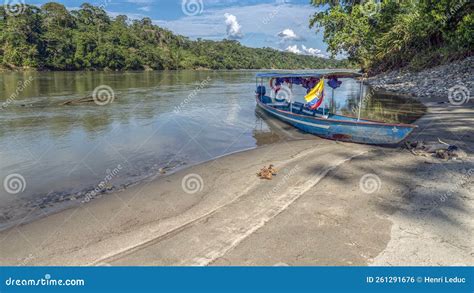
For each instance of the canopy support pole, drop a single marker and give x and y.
(332, 101)
(360, 98)
(291, 98)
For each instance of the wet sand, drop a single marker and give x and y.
(314, 212)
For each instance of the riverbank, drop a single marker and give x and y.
(330, 204)
(453, 80)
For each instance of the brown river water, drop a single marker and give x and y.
(53, 155)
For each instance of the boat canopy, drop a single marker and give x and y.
(309, 74)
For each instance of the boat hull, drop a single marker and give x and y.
(344, 128)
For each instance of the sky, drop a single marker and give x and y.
(278, 24)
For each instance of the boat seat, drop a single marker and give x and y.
(261, 91)
(325, 116)
(266, 100)
(297, 107)
(308, 112)
(280, 104)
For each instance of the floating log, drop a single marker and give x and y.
(88, 99)
(79, 101)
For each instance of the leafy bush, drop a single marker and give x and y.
(386, 34)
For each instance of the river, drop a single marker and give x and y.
(151, 124)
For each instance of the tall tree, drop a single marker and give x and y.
(57, 36)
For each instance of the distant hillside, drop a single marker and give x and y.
(53, 38)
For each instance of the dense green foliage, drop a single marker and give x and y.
(51, 37)
(387, 34)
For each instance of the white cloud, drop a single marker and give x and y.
(262, 24)
(265, 19)
(145, 8)
(313, 52)
(305, 51)
(289, 35)
(294, 49)
(233, 27)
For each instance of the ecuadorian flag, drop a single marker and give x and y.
(315, 97)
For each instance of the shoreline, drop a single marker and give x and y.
(301, 218)
(74, 201)
(31, 70)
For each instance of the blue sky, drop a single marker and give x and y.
(279, 24)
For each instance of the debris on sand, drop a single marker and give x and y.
(267, 173)
(438, 149)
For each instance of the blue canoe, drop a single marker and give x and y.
(337, 127)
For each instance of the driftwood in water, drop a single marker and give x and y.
(88, 99)
(79, 101)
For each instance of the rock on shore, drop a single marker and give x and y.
(434, 82)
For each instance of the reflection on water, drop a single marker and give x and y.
(383, 107)
(158, 122)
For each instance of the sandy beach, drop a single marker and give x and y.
(331, 203)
